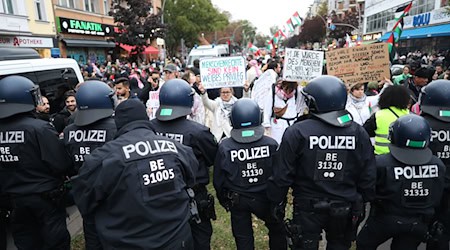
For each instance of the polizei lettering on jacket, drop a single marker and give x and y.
(332, 142)
(416, 172)
(12, 137)
(145, 148)
(246, 154)
(441, 135)
(87, 135)
(176, 137)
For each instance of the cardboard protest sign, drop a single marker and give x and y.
(262, 88)
(222, 72)
(152, 104)
(302, 65)
(365, 63)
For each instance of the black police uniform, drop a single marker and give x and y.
(204, 145)
(136, 186)
(404, 204)
(440, 146)
(329, 169)
(240, 174)
(33, 163)
(83, 140)
(80, 142)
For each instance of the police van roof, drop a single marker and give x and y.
(7, 54)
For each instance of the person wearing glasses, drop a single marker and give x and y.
(221, 109)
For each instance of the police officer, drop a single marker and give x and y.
(242, 166)
(410, 181)
(176, 100)
(328, 161)
(435, 106)
(136, 186)
(92, 128)
(33, 162)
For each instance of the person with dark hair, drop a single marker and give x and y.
(274, 65)
(419, 80)
(393, 103)
(61, 119)
(123, 91)
(400, 79)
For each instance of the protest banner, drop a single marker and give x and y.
(152, 104)
(359, 64)
(302, 65)
(222, 72)
(262, 88)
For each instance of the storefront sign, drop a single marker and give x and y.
(73, 26)
(371, 37)
(429, 18)
(26, 42)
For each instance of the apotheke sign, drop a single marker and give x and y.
(73, 26)
(26, 42)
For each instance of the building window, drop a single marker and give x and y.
(68, 3)
(89, 5)
(106, 6)
(40, 10)
(8, 7)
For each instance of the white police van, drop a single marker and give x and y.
(53, 75)
(207, 51)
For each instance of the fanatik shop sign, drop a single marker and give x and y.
(26, 42)
(73, 26)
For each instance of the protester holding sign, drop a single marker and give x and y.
(283, 107)
(221, 109)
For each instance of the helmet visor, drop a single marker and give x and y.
(36, 95)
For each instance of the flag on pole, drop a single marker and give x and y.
(399, 14)
(281, 33)
(289, 25)
(397, 29)
(276, 37)
(269, 45)
(253, 48)
(296, 19)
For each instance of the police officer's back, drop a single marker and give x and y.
(435, 106)
(410, 181)
(93, 127)
(176, 100)
(33, 162)
(242, 166)
(329, 163)
(136, 186)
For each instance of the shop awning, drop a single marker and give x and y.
(89, 43)
(148, 50)
(432, 31)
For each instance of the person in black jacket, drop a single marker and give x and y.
(93, 127)
(176, 100)
(61, 119)
(137, 186)
(329, 163)
(33, 163)
(242, 166)
(410, 181)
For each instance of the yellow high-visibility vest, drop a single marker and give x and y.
(384, 118)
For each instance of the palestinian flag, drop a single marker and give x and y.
(290, 26)
(397, 29)
(282, 33)
(269, 45)
(253, 48)
(276, 37)
(296, 19)
(399, 14)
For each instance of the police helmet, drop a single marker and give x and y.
(435, 100)
(410, 137)
(326, 97)
(94, 102)
(18, 94)
(246, 120)
(176, 98)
